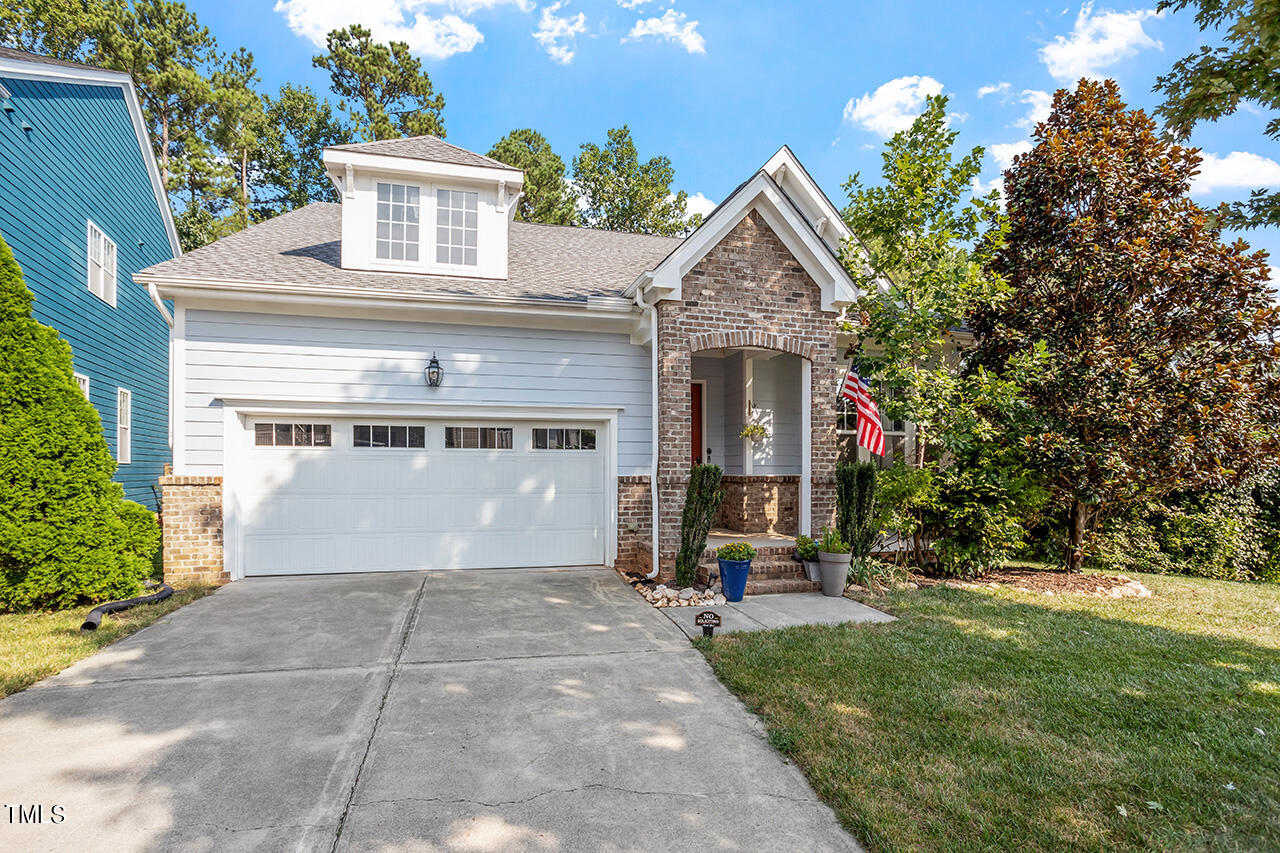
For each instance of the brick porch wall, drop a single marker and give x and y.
(635, 525)
(760, 504)
(749, 291)
(193, 530)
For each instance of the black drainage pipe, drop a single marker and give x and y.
(94, 619)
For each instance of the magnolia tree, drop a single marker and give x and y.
(921, 284)
(1156, 340)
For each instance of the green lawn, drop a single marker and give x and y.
(36, 645)
(998, 720)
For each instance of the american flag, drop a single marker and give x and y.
(870, 431)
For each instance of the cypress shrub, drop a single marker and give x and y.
(701, 503)
(856, 485)
(67, 534)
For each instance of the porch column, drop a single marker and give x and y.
(806, 447)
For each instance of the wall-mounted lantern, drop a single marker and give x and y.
(434, 372)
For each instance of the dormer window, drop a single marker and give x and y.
(457, 221)
(398, 219)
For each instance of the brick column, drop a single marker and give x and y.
(635, 525)
(825, 375)
(193, 530)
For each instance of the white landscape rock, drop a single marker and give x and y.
(686, 593)
(1132, 589)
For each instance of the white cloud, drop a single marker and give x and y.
(698, 203)
(631, 4)
(996, 89)
(1098, 41)
(1004, 152)
(672, 26)
(893, 106)
(436, 29)
(558, 33)
(1041, 104)
(1239, 169)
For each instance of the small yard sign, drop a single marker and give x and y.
(709, 620)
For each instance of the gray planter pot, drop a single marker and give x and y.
(812, 570)
(835, 572)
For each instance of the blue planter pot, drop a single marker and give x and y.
(733, 578)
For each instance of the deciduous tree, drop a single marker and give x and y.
(290, 166)
(622, 194)
(390, 95)
(547, 196)
(1157, 340)
(1214, 82)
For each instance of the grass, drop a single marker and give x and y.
(36, 645)
(998, 720)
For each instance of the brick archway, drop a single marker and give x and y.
(752, 338)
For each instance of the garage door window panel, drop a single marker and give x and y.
(564, 438)
(477, 438)
(389, 435)
(292, 435)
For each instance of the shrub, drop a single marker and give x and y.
(806, 548)
(736, 551)
(66, 532)
(1232, 534)
(856, 485)
(701, 503)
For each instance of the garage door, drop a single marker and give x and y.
(370, 495)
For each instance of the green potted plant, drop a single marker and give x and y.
(755, 432)
(807, 553)
(735, 564)
(833, 558)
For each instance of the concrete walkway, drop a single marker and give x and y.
(462, 711)
(765, 612)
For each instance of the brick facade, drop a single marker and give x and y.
(760, 504)
(193, 530)
(635, 525)
(748, 291)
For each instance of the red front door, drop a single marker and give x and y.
(695, 421)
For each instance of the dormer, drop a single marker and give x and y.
(421, 205)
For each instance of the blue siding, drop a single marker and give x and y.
(81, 161)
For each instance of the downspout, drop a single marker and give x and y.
(653, 427)
(168, 318)
(155, 297)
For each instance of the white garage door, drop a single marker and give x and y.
(370, 495)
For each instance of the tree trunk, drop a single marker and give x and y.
(164, 152)
(1076, 535)
(244, 186)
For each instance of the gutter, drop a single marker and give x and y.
(653, 405)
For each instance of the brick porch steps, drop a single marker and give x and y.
(773, 570)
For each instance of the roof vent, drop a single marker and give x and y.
(27, 127)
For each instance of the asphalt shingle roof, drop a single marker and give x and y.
(423, 148)
(544, 261)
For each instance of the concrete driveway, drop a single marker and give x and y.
(461, 711)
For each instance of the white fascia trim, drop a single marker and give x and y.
(30, 70)
(417, 408)
(793, 173)
(421, 168)
(763, 195)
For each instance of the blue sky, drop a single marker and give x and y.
(718, 87)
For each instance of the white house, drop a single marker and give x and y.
(578, 369)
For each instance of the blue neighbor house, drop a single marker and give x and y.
(82, 207)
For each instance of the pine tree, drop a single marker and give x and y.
(66, 532)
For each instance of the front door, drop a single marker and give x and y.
(695, 421)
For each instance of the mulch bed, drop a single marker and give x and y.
(1036, 580)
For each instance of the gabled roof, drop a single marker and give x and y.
(802, 217)
(303, 247)
(430, 148)
(18, 63)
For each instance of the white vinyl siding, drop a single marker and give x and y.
(102, 265)
(776, 384)
(124, 426)
(264, 356)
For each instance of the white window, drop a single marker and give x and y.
(484, 438)
(124, 426)
(398, 207)
(293, 435)
(569, 438)
(102, 265)
(82, 382)
(456, 227)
